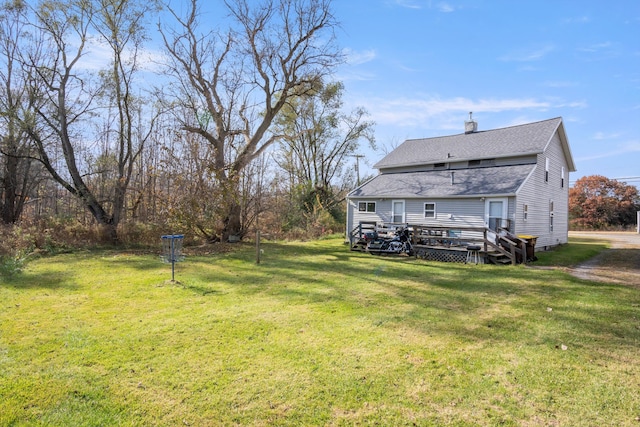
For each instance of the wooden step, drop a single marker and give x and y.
(498, 258)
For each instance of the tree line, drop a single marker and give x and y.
(597, 202)
(234, 120)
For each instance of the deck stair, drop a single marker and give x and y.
(495, 257)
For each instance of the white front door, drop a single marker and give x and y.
(397, 211)
(495, 212)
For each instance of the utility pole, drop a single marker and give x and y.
(358, 156)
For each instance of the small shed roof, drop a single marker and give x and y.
(490, 181)
(526, 139)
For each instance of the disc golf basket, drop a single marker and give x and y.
(172, 251)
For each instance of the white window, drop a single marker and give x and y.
(525, 212)
(546, 170)
(429, 210)
(550, 215)
(366, 207)
(562, 180)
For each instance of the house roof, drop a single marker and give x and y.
(491, 181)
(527, 139)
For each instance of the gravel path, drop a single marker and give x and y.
(619, 264)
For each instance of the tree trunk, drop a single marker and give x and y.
(232, 222)
(108, 233)
(9, 190)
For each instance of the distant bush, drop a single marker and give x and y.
(60, 234)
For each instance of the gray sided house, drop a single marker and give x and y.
(518, 176)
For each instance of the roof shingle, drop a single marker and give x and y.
(530, 138)
(492, 181)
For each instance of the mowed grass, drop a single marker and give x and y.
(314, 335)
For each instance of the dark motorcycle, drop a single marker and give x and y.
(399, 243)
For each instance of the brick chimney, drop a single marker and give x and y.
(470, 125)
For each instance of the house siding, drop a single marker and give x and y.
(537, 193)
(354, 217)
(461, 212)
(449, 212)
(381, 215)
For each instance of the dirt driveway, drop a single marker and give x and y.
(620, 264)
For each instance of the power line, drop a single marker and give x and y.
(624, 179)
(628, 178)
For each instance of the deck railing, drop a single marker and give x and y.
(437, 237)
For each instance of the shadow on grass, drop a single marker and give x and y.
(480, 303)
(27, 280)
(133, 261)
(477, 303)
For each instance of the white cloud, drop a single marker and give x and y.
(98, 55)
(359, 58)
(559, 84)
(578, 20)
(353, 75)
(442, 6)
(409, 112)
(410, 4)
(572, 104)
(602, 135)
(532, 54)
(598, 47)
(519, 120)
(600, 51)
(528, 68)
(445, 7)
(415, 115)
(621, 150)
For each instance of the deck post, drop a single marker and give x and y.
(484, 233)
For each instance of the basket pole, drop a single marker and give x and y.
(173, 260)
(257, 246)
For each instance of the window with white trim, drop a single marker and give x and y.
(550, 215)
(525, 212)
(546, 170)
(366, 207)
(429, 210)
(562, 180)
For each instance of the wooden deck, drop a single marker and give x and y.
(448, 244)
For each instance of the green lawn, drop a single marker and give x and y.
(314, 335)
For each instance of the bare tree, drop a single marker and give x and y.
(18, 173)
(191, 195)
(318, 145)
(73, 96)
(234, 82)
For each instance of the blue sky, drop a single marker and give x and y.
(420, 66)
